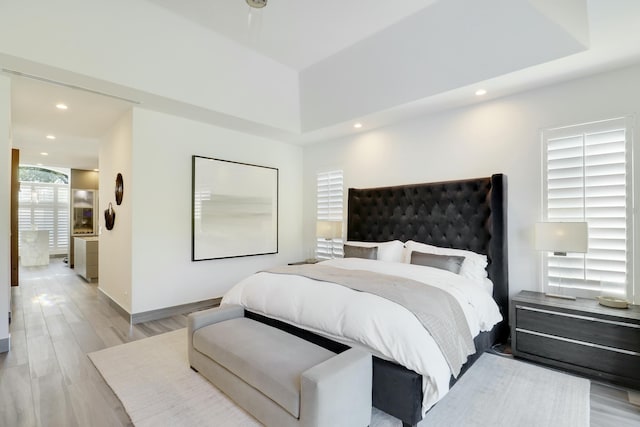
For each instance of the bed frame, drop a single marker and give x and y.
(467, 214)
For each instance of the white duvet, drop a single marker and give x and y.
(359, 319)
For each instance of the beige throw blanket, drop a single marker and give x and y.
(438, 311)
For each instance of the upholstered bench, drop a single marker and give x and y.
(280, 379)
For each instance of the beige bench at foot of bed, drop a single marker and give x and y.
(280, 379)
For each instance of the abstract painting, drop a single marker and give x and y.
(234, 209)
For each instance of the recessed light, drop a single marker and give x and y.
(61, 106)
(357, 125)
(96, 170)
(51, 137)
(481, 92)
(44, 154)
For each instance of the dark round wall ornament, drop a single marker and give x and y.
(109, 217)
(119, 188)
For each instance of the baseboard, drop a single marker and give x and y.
(161, 313)
(102, 295)
(5, 344)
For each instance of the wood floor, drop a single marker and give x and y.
(47, 380)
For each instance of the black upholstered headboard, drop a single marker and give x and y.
(468, 214)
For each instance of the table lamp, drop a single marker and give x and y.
(329, 230)
(560, 238)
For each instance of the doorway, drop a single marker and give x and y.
(57, 128)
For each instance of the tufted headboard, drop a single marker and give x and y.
(468, 214)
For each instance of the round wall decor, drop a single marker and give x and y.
(119, 188)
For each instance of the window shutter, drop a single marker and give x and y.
(587, 177)
(62, 218)
(329, 199)
(45, 206)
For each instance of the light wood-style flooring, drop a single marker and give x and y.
(48, 380)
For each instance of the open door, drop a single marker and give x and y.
(15, 189)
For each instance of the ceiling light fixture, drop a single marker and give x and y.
(44, 154)
(51, 137)
(258, 4)
(481, 92)
(61, 106)
(357, 125)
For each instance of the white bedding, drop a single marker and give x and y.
(382, 327)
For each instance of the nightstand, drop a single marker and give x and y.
(579, 336)
(306, 261)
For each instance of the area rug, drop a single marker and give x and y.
(152, 379)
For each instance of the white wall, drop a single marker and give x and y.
(499, 136)
(115, 157)
(145, 47)
(5, 200)
(163, 274)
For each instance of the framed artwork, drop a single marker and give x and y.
(234, 208)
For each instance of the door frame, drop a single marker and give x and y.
(15, 191)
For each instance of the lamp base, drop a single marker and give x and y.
(569, 297)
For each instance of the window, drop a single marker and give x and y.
(45, 206)
(330, 194)
(38, 174)
(587, 177)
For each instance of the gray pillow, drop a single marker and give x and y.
(443, 262)
(360, 252)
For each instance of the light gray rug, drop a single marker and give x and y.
(152, 379)
(498, 391)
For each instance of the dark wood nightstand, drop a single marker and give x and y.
(306, 261)
(580, 336)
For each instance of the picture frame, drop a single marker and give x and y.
(234, 209)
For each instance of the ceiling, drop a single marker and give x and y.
(301, 35)
(296, 33)
(76, 130)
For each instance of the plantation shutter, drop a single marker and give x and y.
(329, 199)
(62, 218)
(45, 206)
(587, 177)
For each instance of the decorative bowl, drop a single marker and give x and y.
(613, 302)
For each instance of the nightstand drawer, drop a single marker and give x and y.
(582, 327)
(581, 354)
(578, 335)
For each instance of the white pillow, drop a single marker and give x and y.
(392, 251)
(488, 285)
(473, 267)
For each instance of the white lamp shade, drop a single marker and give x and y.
(329, 229)
(562, 237)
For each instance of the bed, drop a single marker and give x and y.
(465, 214)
